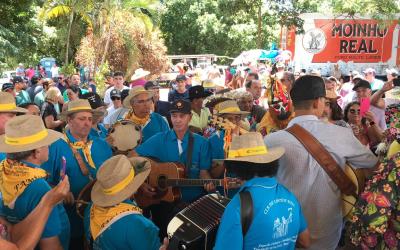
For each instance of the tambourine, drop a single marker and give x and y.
(126, 135)
(84, 198)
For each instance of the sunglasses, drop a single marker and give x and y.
(355, 111)
(115, 98)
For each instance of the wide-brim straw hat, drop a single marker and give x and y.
(139, 73)
(8, 105)
(230, 107)
(80, 105)
(118, 179)
(135, 91)
(26, 132)
(250, 147)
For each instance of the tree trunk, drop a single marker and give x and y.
(71, 19)
(259, 37)
(103, 58)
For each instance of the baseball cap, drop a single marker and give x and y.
(7, 86)
(308, 87)
(181, 106)
(17, 79)
(362, 84)
(181, 78)
(369, 70)
(115, 93)
(151, 85)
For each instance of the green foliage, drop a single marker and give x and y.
(100, 78)
(68, 69)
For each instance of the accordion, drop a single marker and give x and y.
(195, 227)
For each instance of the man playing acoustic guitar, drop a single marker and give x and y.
(178, 145)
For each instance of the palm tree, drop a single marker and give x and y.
(71, 8)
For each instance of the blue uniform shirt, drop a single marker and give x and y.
(131, 232)
(100, 152)
(277, 219)
(174, 95)
(156, 124)
(217, 145)
(2, 156)
(164, 147)
(57, 224)
(101, 133)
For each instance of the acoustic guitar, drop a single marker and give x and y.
(356, 176)
(168, 177)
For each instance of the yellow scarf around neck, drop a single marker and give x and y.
(103, 217)
(14, 178)
(138, 121)
(85, 147)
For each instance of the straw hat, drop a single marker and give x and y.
(137, 90)
(250, 147)
(26, 132)
(80, 105)
(118, 178)
(139, 73)
(7, 104)
(230, 107)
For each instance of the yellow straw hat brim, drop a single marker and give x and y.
(103, 200)
(51, 137)
(272, 155)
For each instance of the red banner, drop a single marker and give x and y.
(360, 41)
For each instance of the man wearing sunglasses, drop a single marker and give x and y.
(115, 95)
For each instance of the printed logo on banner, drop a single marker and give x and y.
(314, 41)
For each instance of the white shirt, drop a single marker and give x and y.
(318, 195)
(110, 111)
(107, 97)
(54, 71)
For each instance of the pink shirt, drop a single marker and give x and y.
(138, 82)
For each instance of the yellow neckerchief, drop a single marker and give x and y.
(85, 146)
(103, 217)
(138, 121)
(14, 178)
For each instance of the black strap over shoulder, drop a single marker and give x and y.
(246, 210)
(189, 153)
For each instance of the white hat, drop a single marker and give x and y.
(139, 73)
(392, 72)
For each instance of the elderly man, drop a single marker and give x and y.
(22, 181)
(160, 107)
(287, 79)
(319, 196)
(140, 102)
(82, 154)
(246, 103)
(8, 110)
(370, 77)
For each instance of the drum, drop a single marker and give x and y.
(84, 198)
(126, 135)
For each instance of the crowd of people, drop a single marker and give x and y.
(57, 143)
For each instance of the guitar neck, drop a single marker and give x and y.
(193, 182)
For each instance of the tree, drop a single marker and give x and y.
(71, 9)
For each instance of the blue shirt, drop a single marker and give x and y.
(101, 133)
(156, 124)
(164, 147)
(131, 232)
(174, 95)
(277, 219)
(57, 224)
(2, 156)
(100, 152)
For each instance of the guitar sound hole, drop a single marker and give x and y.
(162, 182)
